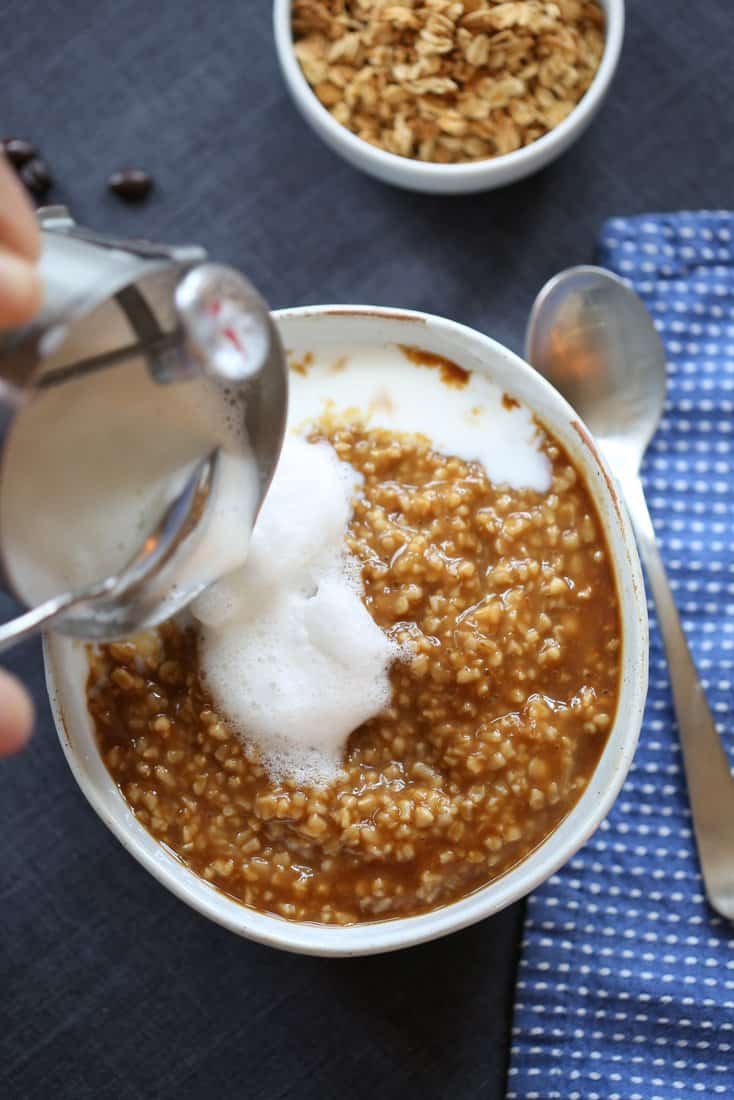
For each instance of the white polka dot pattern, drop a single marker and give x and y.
(626, 983)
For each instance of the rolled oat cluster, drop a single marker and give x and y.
(449, 81)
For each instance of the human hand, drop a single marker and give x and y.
(20, 297)
(16, 714)
(20, 246)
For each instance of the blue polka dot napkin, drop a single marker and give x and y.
(626, 982)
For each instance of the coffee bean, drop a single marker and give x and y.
(131, 184)
(36, 177)
(18, 151)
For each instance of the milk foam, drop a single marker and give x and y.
(471, 423)
(288, 650)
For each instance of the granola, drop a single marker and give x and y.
(449, 81)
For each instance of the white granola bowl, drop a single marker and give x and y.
(447, 179)
(311, 329)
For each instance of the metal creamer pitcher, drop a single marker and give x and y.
(148, 324)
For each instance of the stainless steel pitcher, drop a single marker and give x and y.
(107, 303)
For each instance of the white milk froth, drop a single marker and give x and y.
(288, 649)
(290, 653)
(470, 422)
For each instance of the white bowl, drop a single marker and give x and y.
(447, 179)
(313, 329)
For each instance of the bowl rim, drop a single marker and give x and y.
(543, 861)
(519, 162)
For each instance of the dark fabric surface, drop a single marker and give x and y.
(109, 988)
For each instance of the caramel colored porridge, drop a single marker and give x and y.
(504, 604)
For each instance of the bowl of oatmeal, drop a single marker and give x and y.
(423, 692)
(451, 97)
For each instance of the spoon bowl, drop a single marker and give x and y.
(592, 337)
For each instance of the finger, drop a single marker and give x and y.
(16, 715)
(20, 290)
(19, 230)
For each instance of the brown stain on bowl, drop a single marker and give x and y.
(451, 373)
(64, 731)
(300, 366)
(509, 402)
(383, 314)
(57, 705)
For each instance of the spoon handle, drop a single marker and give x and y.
(710, 782)
(31, 622)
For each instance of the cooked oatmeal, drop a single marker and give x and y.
(505, 603)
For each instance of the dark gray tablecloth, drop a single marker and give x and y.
(109, 988)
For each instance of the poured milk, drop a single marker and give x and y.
(289, 651)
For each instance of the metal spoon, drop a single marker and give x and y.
(593, 339)
(102, 600)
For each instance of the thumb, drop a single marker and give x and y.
(16, 714)
(20, 289)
